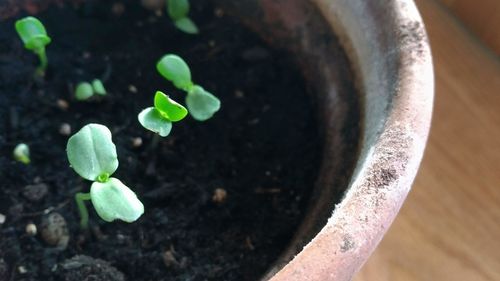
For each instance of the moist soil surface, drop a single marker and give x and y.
(262, 149)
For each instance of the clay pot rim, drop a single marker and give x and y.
(383, 179)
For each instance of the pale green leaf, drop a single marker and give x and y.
(21, 153)
(32, 33)
(113, 200)
(98, 87)
(201, 104)
(84, 91)
(186, 25)
(152, 120)
(177, 9)
(92, 153)
(176, 70)
(168, 108)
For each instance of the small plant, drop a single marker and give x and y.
(178, 11)
(35, 38)
(92, 154)
(86, 90)
(21, 153)
(160, 117)
(202, 105)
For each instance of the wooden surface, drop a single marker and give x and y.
(449, 228)
(482, 17)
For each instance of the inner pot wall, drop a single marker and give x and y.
(387, 49)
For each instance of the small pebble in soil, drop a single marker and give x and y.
(137, 142)
(54, 230)
(2, 218)
(218, 12)
(169, 259)
(62, 104)
(82, 267)
(118, 9)
(65, 129)
(239, 94)
(153, 5)
(219, 196)
(132, 89)
(30, 229)
(35, 192)
(21, 269)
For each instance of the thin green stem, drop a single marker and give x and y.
(80, 197)
(43, 61)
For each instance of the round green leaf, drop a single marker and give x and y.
(32, 33)
(168, 108)
(151, 119)
(98, 87)
(21, 153)
(84, 91)
(92, 153)
(202, 105)
(176, 70)
(177, 9)
(113, 200)
(186, 25)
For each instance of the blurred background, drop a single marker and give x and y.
(449, 228)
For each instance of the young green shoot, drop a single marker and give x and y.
(202, 105)
(35, 38)
(92, 154)
(21, 153)
(178, 11)
(86, 90)
(159, 118)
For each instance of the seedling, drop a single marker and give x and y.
(35, 38)
(202, 105)
(21, 153)
(178, 11)
(92, 154)
(159, 118)
(86, 90)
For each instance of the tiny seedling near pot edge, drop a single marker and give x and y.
(86, 90)
(160, 117)
(35, 38)
(178, 11)
(202, 105)
(92, 154)
(21, 153)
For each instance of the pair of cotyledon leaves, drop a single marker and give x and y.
(92, 154)
(202, 105)
(178, 11)
(32, 33)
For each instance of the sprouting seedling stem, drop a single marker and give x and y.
(35, 38)
(80, 199)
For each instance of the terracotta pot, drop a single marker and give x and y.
(385, 45)
(369, 66)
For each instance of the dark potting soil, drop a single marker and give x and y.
(262, 148)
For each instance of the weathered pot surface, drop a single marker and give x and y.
(389, 55)
(383, 48)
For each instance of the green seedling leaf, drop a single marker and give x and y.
(168, 108)
(176, 70)
(84, 91)
(98, 87)
(186, 25)
(177, 9)
(32, 33)
(21, 153)
(92, 153)
(151, 119)
(113, 200)
(202, 105)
